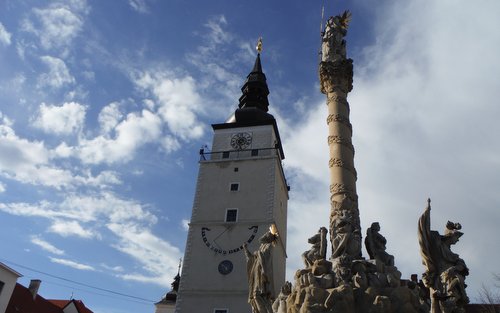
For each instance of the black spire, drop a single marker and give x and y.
(253, 103)
(255, 89)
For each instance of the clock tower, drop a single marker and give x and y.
(241, 191)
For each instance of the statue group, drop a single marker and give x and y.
(346, 285)
(346, 282)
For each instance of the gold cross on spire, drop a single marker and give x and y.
(259, 45)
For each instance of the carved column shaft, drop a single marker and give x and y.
(336, 83)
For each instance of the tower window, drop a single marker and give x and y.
(225, 155)
(231, 215)
(235, 186)
(221, 311)
(1, 286)
(255, 152)
(236, 169)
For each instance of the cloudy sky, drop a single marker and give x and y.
(104, 105)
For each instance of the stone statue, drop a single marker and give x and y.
(260, 274)
(318, 249)
(340, 299)
(333, 47)
(280, 305)
(312, 294)
(445, 270)
(375, 245)
(345, 237)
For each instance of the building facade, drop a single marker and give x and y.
(241, 191)
(8, 280)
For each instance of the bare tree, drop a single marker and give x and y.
(490, 296)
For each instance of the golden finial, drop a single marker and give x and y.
(259, 45)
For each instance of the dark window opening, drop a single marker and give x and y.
(255, 152)
(221, 311)
(225, 155)
(236, 169)
(231, 215)
(235, 186)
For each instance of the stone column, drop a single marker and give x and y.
(335, 73)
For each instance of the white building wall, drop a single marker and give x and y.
(70, 308)
(261, 201)
(9, 279)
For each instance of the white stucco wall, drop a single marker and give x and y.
(9, 278)
(261, 200)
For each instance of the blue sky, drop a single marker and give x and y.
(104, 105)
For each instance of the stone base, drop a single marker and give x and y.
(372, 288)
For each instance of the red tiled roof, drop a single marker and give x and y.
(22, 301)
(60, 303)
(80, 307)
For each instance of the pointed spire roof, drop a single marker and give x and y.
(255, 90)
(257, 67)
(253, 103)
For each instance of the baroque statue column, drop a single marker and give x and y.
(335, 74)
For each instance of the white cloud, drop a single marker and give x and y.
(103, 180)
(170, 144)
(57, 25)
(109, 117)
(104, 206)
(83, 216)
(42, 209)
(46, 245)
(73, 264)
(2, 187)
(26, 161)
(63, 151)
(58, 75)
(133, 132)
(185, 224)
(219, 65)
(139, 5)
(158, 257)
(71, 228)
(14, 85)
(117, 268)
(178, 102)
(218, 34)
(86, 216)
(62, 120)
(4, 35)
(108, 207)
(30, 162)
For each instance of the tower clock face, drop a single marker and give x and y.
(241, 141)
(228, 239)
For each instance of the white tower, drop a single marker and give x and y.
(241, 191)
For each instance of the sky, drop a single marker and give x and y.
(105, 104)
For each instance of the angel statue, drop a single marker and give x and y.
(445, 271)
(333, 46)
